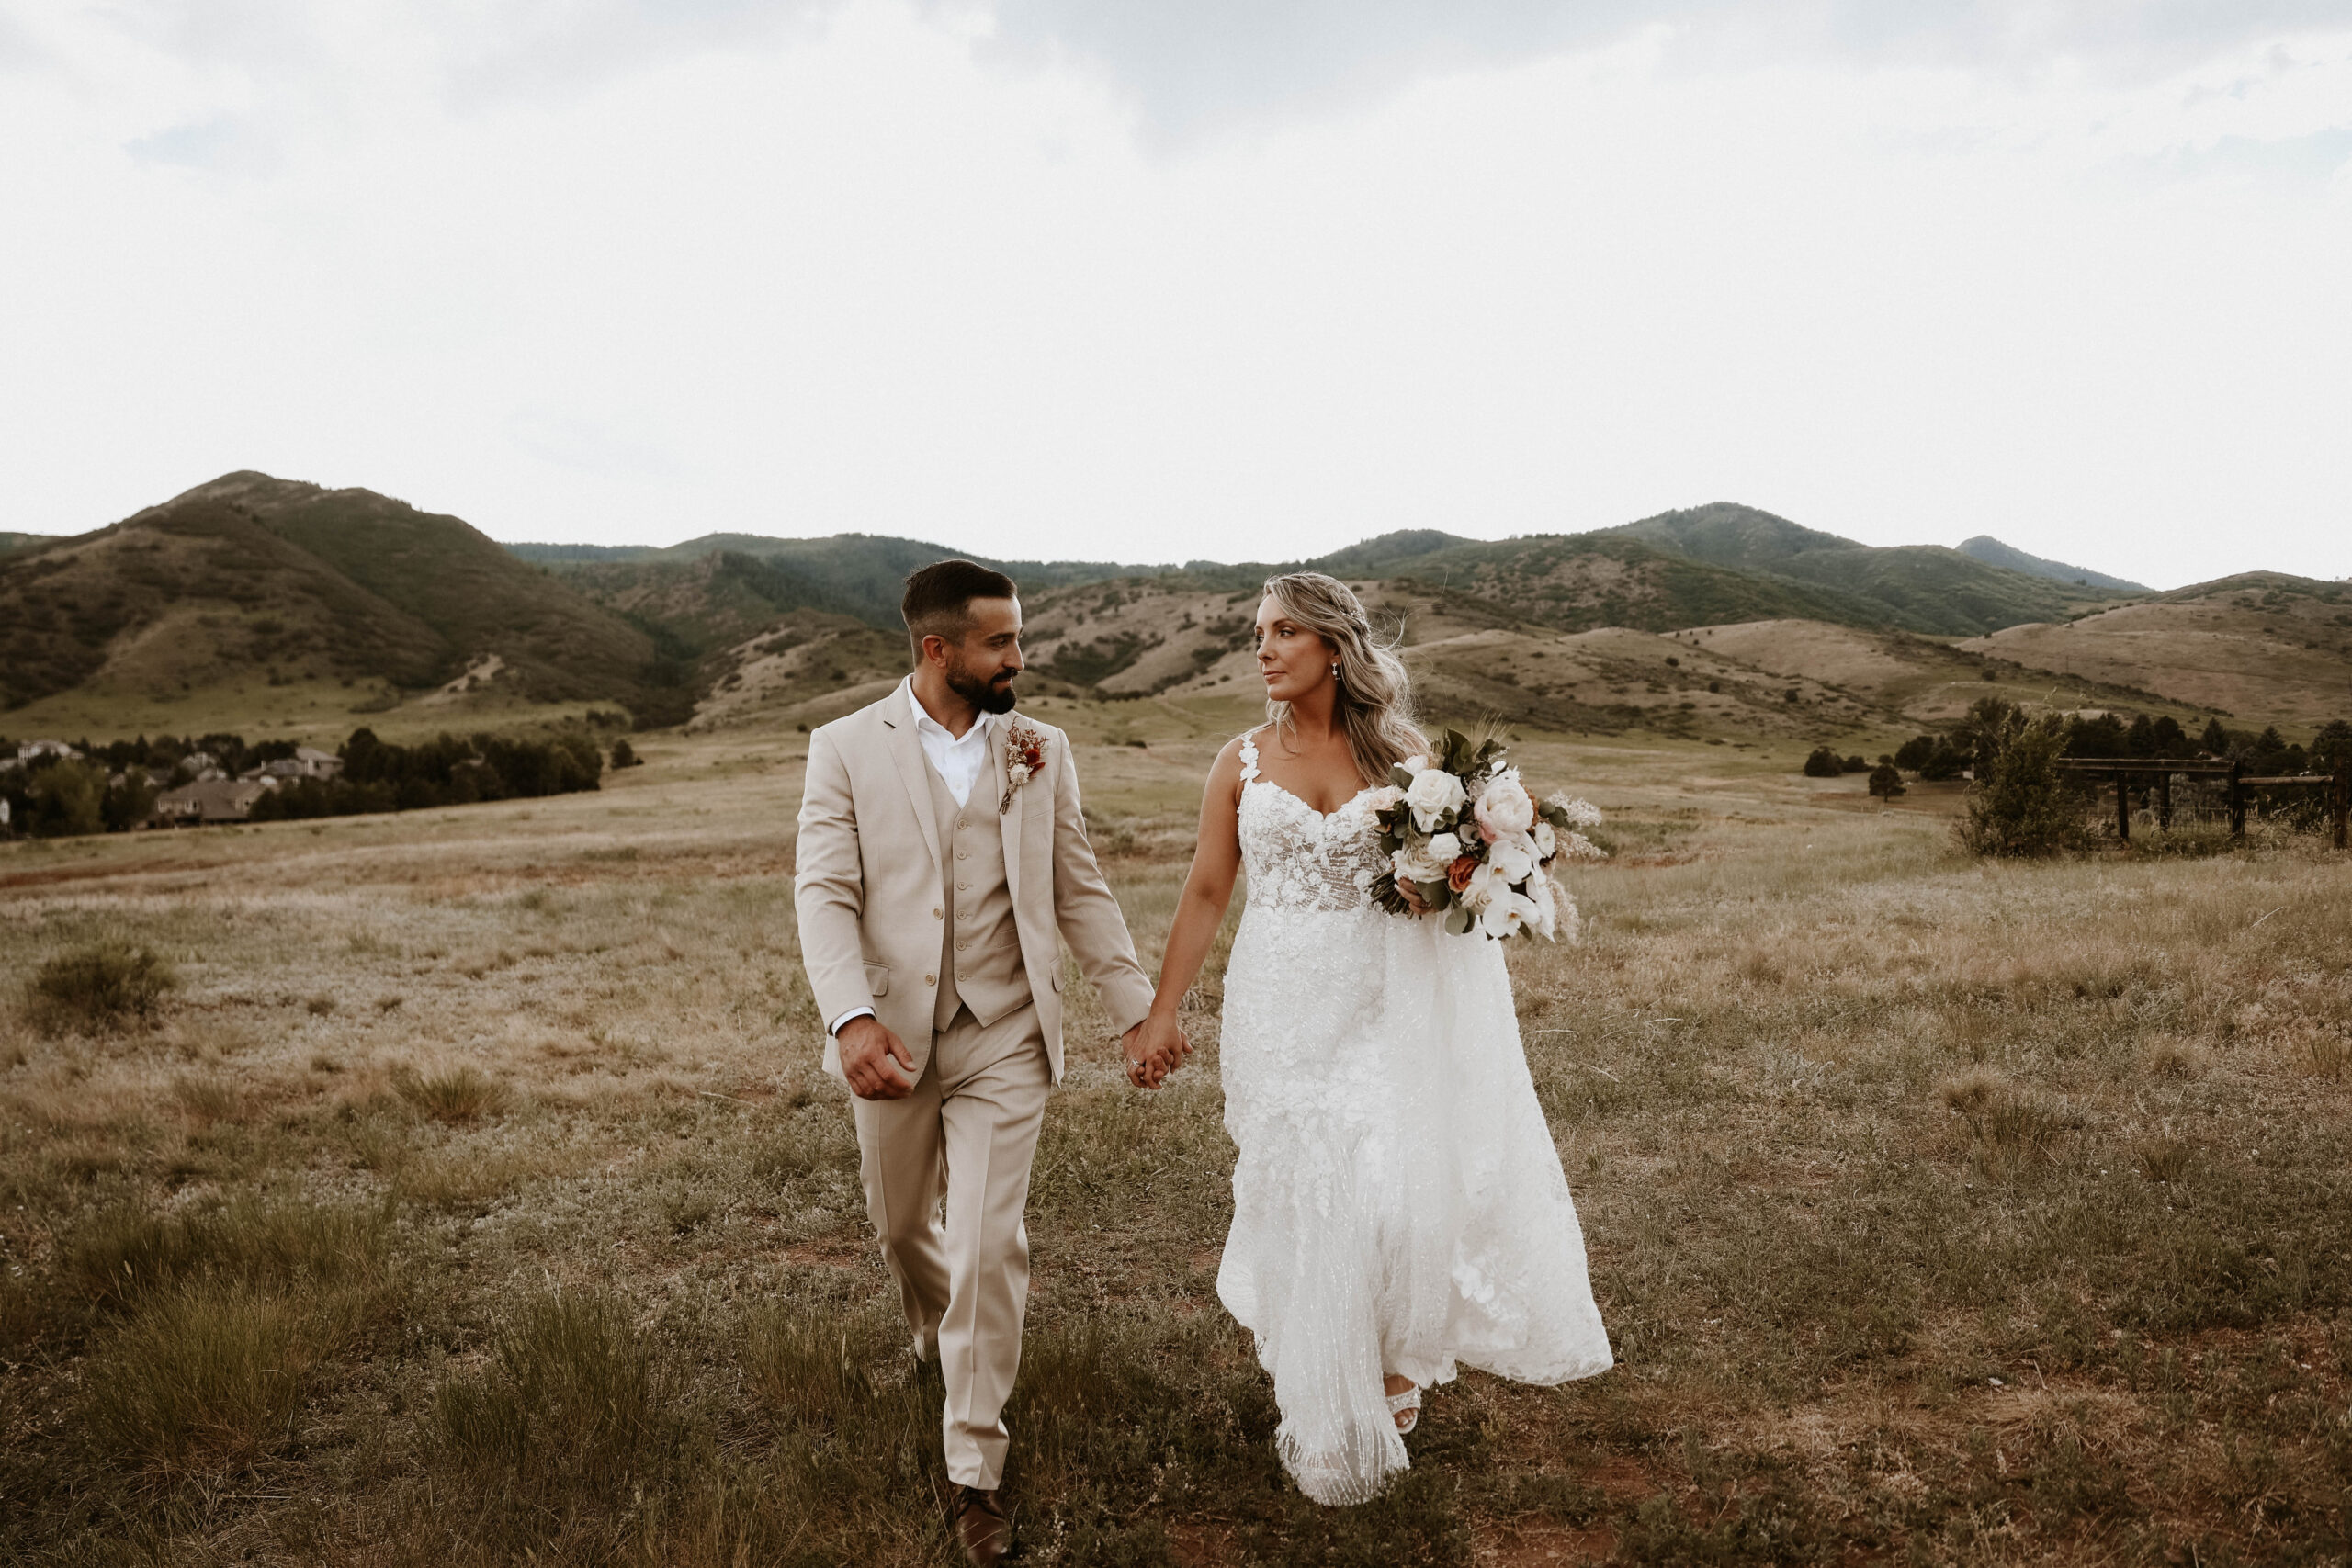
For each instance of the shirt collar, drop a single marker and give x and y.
(924, 723)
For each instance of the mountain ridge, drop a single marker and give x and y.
(1993, 552)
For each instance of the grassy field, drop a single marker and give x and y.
(475, 1197)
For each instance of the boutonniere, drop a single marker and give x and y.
(1025, 754)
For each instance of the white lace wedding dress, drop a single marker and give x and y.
(1399, 1205)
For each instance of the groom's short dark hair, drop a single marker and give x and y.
(939, 598)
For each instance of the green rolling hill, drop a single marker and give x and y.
(250, 586)
(1991, 551)
(1920, 588)
(251, 577)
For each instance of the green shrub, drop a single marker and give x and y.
(1824, 763)
(1886, 781)
(100, 986)
(65, 800)
(2019, 805)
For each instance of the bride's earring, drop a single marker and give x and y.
(1335, 674)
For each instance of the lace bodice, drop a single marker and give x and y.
(1299, 858)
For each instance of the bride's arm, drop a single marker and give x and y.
(1200, 908)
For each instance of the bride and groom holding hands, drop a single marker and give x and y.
(1399, 1209)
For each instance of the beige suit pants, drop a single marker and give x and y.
(965, 1135)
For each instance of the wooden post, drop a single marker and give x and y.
(2163, 800)
(2344, 803)
(2122, 805)
(2237, 801)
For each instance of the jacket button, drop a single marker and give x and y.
(931, 979)
(962, 945)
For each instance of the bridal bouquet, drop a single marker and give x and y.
(1462, 830)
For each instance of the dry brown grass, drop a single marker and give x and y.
(1942, 1210)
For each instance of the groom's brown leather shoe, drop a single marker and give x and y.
(982, 1527)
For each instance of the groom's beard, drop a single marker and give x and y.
(987, 696)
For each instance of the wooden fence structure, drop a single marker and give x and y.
(2125, 774)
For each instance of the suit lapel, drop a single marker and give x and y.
(991, 786)
(914, 771)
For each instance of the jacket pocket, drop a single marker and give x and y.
(877, 979)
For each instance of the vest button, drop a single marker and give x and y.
(931, 979)
(962, 945)
(938, 915)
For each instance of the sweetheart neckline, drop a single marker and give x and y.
(1308, 805)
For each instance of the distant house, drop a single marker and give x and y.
(210, 800)
(28, 750)
(202, 765)
(308, 762)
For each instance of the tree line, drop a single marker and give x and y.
(1970, 745)
(114, 786)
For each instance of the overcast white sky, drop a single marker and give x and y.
(1163, 279)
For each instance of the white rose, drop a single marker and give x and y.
(1386, 796)
(1505, 808)
(1434, 793)
(1445, 849)
(1417, 865)
(1514, 858)
(1414, 765)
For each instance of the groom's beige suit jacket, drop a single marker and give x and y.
(868, 888)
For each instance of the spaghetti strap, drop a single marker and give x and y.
(1249, 757)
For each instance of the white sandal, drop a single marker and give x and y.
(1408, 1405)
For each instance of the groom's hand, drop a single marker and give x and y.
(877, 1062)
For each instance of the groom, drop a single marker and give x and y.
(939, 869)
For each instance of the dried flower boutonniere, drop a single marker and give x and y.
(1025, 754)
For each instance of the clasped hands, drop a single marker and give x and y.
(879, 1067)
(1154, 1048)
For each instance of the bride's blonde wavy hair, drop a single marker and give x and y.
(1375, 699)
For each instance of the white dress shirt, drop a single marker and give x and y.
(958, 759)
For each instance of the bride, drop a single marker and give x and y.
(1399, 1209)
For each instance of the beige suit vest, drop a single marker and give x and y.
(979, 948)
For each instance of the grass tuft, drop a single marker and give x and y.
(120, 1255)
(206, 1377)
(575, 1406)
(810, 1368)
(460, 1094)
(102, 986)
(2009, 1129)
